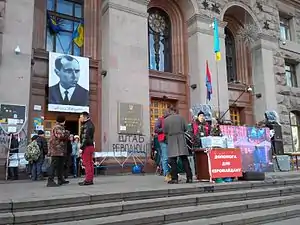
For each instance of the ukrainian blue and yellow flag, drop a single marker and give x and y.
(78, 35)
(53, 24)
(216, 40)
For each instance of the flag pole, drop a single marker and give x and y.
(217, 58)
(218, 94)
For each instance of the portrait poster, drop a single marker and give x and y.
(68, 83)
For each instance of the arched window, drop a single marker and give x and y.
(230, 55)
(159, 40)
(295, 126)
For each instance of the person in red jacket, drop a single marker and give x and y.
(201, 128)
(159, 127)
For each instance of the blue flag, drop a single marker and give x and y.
(216, 40)
(53, 24)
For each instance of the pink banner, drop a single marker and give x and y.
(255, 146)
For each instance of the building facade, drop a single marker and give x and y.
(153, 53)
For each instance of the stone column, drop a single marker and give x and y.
(263, 77)
(125, 58)
(15, 67)
(201, 48)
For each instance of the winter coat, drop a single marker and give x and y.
(75, 149)
(87, 131)
(14, 145)
(43, 145)
(58, 140)
(175, 127)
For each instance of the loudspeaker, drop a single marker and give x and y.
(278, 132)
(253, 176)
(282, 163)
(278, 147)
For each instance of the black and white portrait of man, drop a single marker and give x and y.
(68, 83)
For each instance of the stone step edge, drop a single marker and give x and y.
(255, 217)
(113, 214)
(86, 199)
(197, 199)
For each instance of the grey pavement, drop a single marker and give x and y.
(294, 221)
(25, 190)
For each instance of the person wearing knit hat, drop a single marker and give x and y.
(57, 150)
(43, 145)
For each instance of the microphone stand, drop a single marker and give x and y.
(245, 90)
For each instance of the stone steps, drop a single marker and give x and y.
(168, 216)
(174, 190)
(180, 202)
(249, 218)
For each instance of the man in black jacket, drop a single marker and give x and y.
(14, 149)
(68, 159)
(43, 145)
(87, 148)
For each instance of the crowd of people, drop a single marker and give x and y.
(175, 140)
(170, 130)
(65, 152)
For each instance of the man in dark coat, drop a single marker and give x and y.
(43, 145)
(174, 129)
(14, 149)
(68, 159)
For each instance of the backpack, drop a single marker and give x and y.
(33, 152)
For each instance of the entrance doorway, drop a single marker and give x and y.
(72, 122)
(72, 126)
(157, 108)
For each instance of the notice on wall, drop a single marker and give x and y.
(130, 118)
(12, 114)
(225, 163)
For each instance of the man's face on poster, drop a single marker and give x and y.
(69, 73)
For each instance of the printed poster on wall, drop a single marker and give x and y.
(68, 83)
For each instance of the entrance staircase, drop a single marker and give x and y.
(194, 204)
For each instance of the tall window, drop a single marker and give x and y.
(285, 31)
(68, 15)
(290, 75)
(235, 116)
(230, 55)
(295, 125)
(159, 40)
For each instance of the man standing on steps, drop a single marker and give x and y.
(87, 148)
(159, 130)
(43, 145)
(174, 129)
(57, 150)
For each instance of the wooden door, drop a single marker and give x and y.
(157, 108)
